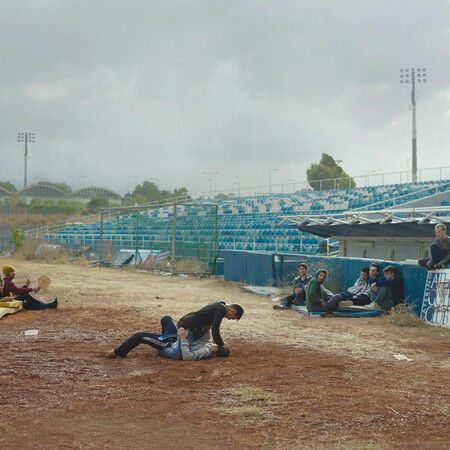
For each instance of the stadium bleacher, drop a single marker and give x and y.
(247, 223)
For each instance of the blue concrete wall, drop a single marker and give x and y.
(266, 269)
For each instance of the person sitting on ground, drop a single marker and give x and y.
(298, 296)
(194, 339)
(439, 250)
(358, 293)
(3, 297)
(315, 295)
(23, 293)
(388, 292)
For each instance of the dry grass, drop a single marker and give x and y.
(190, 265)
(41, 251)
(250, 405)
(402, 316)
(27, 220)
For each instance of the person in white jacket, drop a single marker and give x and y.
(358, 294)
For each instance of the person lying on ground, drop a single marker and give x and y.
(315, 296)
(23, 293)
(171, 343)
(388, 292)
(298, 296)
(439, 250)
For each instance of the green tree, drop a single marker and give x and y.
(63, 186)
(151, 192)
(182, 192)
(14, 200)
(50, 206)
(222, 195)
(8, 186)
(17, 237)
(327, 169)
(95, 204)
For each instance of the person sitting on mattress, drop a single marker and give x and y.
(193, 338)
(3, 296)
(358, 294)
(23, 293)
(298, 296)
(388, 292)
(315, 296)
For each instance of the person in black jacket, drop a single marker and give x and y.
(388, 292)
(198, 323)
(189, 338)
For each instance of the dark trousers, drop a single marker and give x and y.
(360, 300)
(331, 305)
(436, 255)
(30, 303)
(287, 301)
(159, 341)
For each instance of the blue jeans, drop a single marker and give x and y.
(331, 305)
(362, 299)
(383, 297)
(436, 255)
(287, 301)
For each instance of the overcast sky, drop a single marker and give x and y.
(119, 92)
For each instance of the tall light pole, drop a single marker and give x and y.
(128, 183)
(238, 186)
(80, 178)
(412, 76)
(210, 181)
(270, 183)
(26, 137)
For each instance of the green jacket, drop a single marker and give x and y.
(314, 294)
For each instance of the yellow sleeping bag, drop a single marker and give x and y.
(11, 304)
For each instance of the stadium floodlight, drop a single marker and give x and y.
(413, 76)
(27, 138)
(270, 183)
(238, 186)
(210, 180)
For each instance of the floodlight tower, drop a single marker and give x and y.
(411, 76)
(26, 137)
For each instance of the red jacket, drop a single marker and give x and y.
(10, 287)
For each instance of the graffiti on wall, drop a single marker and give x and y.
(436, 298)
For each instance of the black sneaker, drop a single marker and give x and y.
(280, 307)
(54, 304)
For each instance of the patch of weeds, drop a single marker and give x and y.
(247, 403)
(249, 410)
(402, 315)
(249, 393)
(190, 265)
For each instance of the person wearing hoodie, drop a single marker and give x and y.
(314, 295)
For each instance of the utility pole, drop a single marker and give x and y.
(412, 76)
(27, 138)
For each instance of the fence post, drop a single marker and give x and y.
(101, 239)
(174, 232)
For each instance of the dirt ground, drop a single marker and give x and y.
(291, 382)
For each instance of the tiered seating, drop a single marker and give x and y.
(245, 223)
